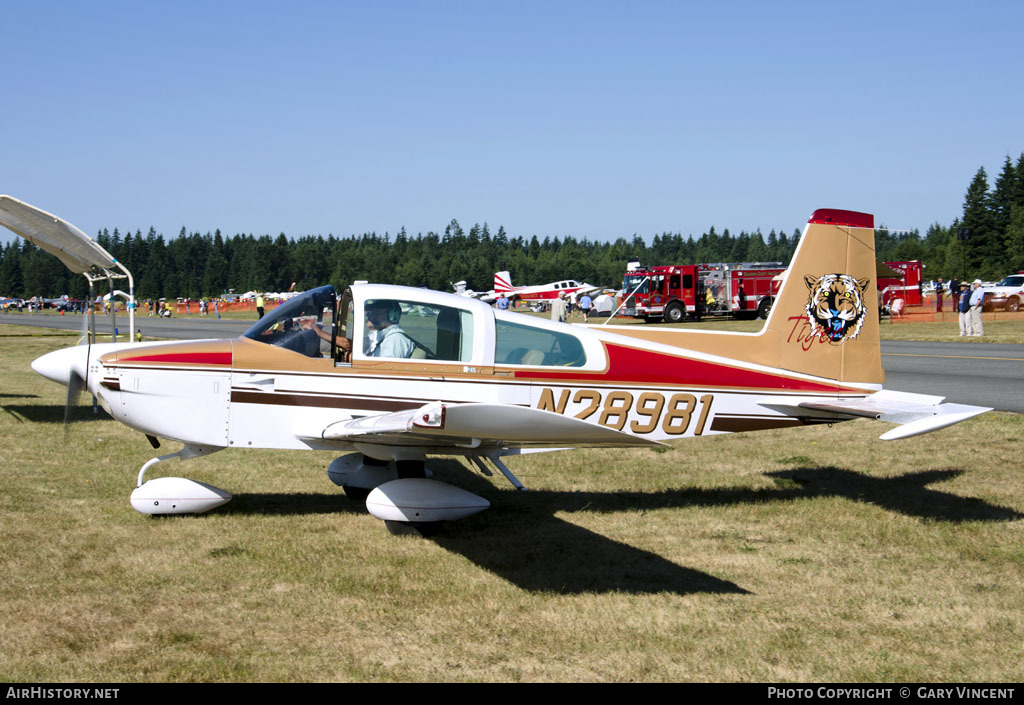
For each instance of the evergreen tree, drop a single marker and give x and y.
(956, 254)
(11, 281)
(1003, 197)
(978, 220)
(935, 245)
(757, 250)
(1015, 239)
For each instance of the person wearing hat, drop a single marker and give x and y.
(977, 299)
(558, 308)
(963, 299)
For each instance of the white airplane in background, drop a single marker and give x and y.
(569, 287)
(388, 376)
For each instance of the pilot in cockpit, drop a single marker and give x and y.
(385, 338)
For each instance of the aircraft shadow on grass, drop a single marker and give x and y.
(907, 493)
(53, 413)
(524, 541)
(529, 547)
(291, 504)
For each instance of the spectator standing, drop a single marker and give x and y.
(954, 292)
(964, 309)
(586, 303)
(558, 308)
(977, 300)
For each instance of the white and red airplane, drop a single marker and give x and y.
(569, 287)
(388, 376)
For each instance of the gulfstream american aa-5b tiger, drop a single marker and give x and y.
(389, 376)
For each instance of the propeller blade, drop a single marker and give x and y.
(75, 386)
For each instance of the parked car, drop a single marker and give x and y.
(1006, 295)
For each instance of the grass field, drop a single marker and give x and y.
(818, 554)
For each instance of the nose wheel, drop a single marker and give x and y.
(177, 495)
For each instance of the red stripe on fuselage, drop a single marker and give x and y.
(646, 367)
(546, 294)
(187, 358)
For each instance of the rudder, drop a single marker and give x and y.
(825, 319)
(502, 282)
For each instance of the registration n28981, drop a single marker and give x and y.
(638, 412)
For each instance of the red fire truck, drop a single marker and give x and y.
(674, 293)
(906, 287)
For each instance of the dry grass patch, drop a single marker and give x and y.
(812, 554)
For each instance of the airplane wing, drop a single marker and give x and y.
(467, 426)
(915, 413)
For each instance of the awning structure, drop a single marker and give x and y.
(79, 252)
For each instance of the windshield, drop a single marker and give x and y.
(631, 283)
(294, 324)
(1016, 280)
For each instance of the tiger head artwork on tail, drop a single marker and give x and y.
(835, 307)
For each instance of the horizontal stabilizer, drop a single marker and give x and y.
(461, 426)
(948, 415)
(915, 413)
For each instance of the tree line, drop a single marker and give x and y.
(987, 242)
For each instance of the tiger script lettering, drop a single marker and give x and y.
(804, 332)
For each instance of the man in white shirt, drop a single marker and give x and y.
(558, 308)
(977, 299)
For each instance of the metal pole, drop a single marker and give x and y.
(625, 299)
(113, 318)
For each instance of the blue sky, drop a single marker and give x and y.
(591, 119)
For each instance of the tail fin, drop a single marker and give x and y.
(502, 282)
(825, 323)
(825, 319)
